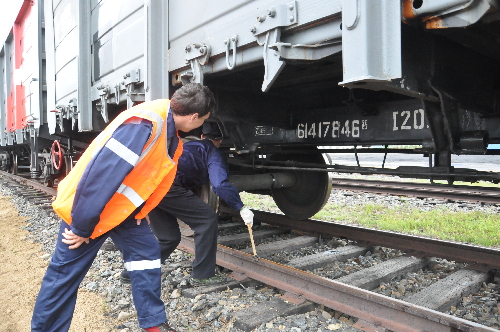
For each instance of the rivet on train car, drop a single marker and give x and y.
(100, 231)
(290, 7)
(292, 18)
(125, 211)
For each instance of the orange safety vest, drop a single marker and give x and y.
(149, 181)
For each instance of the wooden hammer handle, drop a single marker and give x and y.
(251, 239)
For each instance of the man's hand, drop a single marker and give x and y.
(247, 216)
(138, 221)
(72, 239)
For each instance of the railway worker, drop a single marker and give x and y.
(122, 175)
(201, 162)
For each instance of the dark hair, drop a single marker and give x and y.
(193, 98)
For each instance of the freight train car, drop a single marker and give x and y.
(289, 77)
(22, 97)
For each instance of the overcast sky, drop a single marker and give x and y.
(8, 13)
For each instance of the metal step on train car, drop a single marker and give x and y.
(289, 77)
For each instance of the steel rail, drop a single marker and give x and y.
(479, 258)
(371, 308)
(440, 191)
(34, 184)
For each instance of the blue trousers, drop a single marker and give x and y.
(141, 252)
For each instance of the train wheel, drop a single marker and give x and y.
(309, 194)
(57, 155)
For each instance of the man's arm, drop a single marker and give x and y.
(218, 175)
(105, 173)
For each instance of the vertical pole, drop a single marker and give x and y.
(42, 111)
(157, 74)
(84, 67)
(50, 72)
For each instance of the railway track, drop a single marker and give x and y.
(474, 194)
(356, 294)
(375, 312)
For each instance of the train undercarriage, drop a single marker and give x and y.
(292, 93)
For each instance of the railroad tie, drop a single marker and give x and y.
(320, 259)
(220, 287)
(236, 239)
(373, 276)
(450, 289)
(267, 249)
(187, 231)
(230, 226)
(252, 317)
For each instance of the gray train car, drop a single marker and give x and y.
(289, 77)
(22, 94)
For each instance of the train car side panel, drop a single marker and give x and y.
(25, 71)
(66, 50)
(4, 87)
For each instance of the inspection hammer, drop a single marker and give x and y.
(251, 239)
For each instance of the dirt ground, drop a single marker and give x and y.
(21, 273)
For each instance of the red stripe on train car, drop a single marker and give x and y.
(16, 107)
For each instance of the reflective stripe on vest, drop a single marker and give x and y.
(122, 151)
(132, 196)
(148, 181)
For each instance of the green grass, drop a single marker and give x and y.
(259, 202)
(473, 227)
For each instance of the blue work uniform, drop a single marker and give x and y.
(200, 162)
(56, 300)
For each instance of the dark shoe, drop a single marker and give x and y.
(216, 279)
(160, 328)
(124, 277)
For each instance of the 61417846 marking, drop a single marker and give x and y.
(324, 129)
